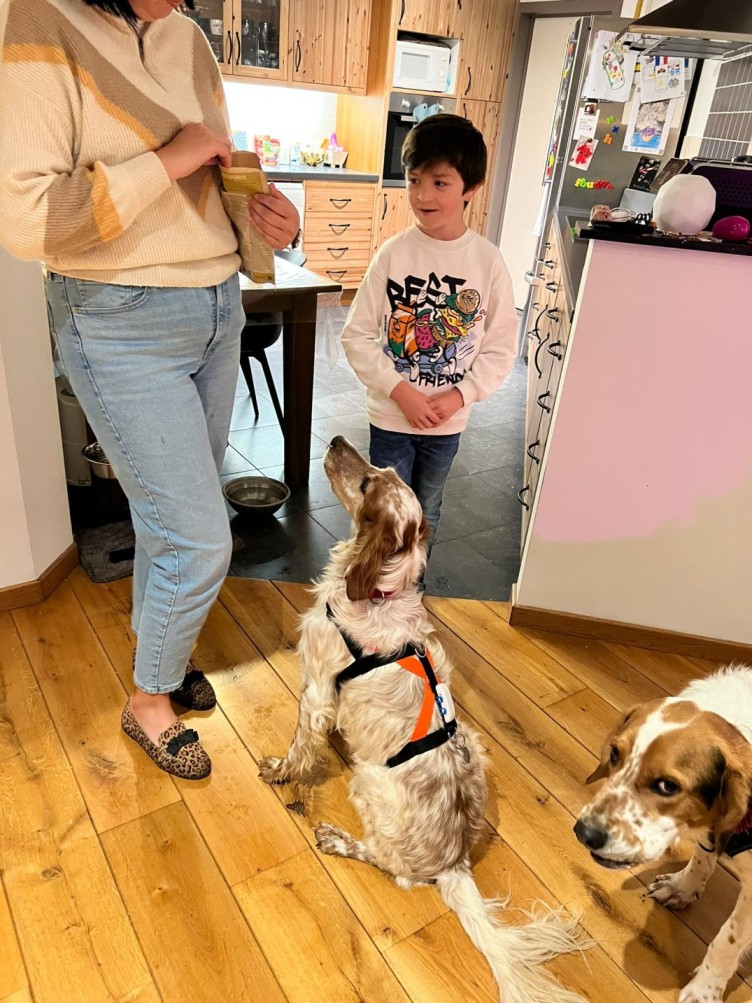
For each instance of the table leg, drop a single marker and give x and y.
(298, 348)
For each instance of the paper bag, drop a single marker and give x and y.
(245, 178)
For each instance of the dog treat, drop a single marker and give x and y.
(239, 182)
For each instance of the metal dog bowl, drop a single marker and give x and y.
(100, 465)
(256, 495)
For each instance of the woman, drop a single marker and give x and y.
(113, 119)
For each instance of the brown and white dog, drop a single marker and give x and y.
(682, 767)
(421, 815)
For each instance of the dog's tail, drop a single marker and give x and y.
(514, 953)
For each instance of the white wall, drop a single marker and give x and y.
(34, 521)
(289, 115)
(525, 190)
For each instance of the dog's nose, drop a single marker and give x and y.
(590, 835)
(337, 441)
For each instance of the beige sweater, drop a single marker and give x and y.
(84, 105)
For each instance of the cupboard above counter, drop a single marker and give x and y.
(304, 43)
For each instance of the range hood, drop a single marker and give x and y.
(697, 29)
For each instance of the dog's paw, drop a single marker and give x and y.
(273, 770)
(330, 839)
(670, 891)
(700, 991)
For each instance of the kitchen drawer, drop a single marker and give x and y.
(320, 245)
(336, 256)
(348, 276)
(323, 226)
(333, 198)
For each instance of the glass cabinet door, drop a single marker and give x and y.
(214, 18)
(260, 36)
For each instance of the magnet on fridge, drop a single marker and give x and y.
(614, 129)
(610, 120)
(608, 139)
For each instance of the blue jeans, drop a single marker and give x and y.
(155, 370)
(422, 461)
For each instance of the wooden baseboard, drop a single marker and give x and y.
(28, 593)
(630, 633)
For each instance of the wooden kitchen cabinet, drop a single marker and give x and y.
(337, 229)
(391, 216)
(330, 42)
(485, 116)
(249, 38)
(485, 48)
(446, 18)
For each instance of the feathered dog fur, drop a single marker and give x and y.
(420, 819)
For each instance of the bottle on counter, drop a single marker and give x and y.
(295, 155)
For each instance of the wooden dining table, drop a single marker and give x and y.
(295, 295)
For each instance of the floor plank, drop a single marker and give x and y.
(194, 937)
(13, 978)
(331, 949)
(69, 918)
(86, 700)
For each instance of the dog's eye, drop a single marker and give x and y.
(613, 756)
(666, 788)
(364, 484)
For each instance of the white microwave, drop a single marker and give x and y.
(421, 66)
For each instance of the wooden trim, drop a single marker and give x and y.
(29, 593)
(630, 633)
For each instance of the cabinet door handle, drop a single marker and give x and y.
(343, 201)
(469, 82)
(402, 12)
(541, 343)
(386, 205)
(552, 287)
(237, 40)
(553, 313)
(459, 4)
(337, 252)
(549, 263)
(520, 499)
(336, 274)
(531, 451)
(552, 346)
(541, 398)
(298, 54)
(228, 57)
(338, 228)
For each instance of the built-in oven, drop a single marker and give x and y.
(405, 111)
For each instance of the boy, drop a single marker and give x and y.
(433, 327)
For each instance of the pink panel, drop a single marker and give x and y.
(655, 413)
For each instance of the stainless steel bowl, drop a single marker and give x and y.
(256, 495)
(100, 465)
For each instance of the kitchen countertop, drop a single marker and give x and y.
(655, 239)
(290, 172)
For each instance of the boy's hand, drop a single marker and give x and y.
(415, 406)
(446, 404)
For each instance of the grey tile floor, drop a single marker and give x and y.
(477, 550)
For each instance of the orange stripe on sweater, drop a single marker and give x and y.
(106, 215)
(53, 55)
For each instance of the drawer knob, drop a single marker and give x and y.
(336, 274)
(337, 252)
(343, 202)
(338, 228)
(552, 350)
(552, 287)
(531, 451)
(541, 398)
(520, 499)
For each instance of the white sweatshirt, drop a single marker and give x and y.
(437, 314)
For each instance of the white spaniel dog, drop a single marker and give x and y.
(677, 767)
(374, 669)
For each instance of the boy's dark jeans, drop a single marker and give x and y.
(422, 461)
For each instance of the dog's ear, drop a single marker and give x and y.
(377, 542)
(732, 803)
(601, 771)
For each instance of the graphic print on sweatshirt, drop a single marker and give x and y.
(429, 330)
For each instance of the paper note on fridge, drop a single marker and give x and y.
(661, 78)
(587, 120)
(612, 69)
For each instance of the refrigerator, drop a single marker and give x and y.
(594, 115)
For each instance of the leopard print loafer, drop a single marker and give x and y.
(178, 750)
(195, 692)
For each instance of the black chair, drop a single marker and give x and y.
(261, 331)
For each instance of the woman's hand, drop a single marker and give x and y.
(275, 217)
(415, 406)
(194, 146)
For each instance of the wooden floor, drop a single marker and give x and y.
(120, 883)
